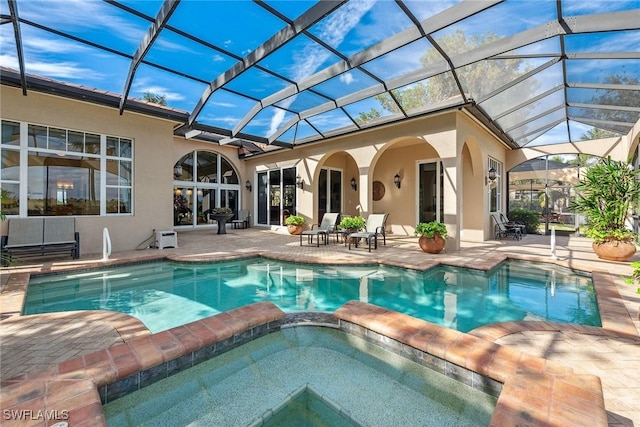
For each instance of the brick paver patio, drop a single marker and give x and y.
(31, 342)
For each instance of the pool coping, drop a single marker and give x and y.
(50, 388)
(535, 391)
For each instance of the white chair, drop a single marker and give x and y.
(326, 226)
(375, 227)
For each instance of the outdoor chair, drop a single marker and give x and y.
(502, 230)
(326, 226)
(243, 219)
(507, 222)
(375, 227)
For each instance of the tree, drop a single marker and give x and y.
(476, 79)
(612, 97)
(595, 133)
(155, 98)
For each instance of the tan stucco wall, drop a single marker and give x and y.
(474, 219)
(364, 152)
(380, 153)
(153, 162)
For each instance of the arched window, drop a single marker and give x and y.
(203, 180)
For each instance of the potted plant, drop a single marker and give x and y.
(294, 224)
(432, 236)
(223, 211)
(605, 195)
(352, 224)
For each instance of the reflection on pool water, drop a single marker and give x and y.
(168, 294)
(345, 381)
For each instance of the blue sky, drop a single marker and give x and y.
(234, 29)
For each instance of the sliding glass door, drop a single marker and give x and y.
(430, 192)
(276, 196)
(329, 191)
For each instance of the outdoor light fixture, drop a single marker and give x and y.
(299, 181)
(177, 171)
(492, 175)
(396, 180)
(247, 185)
(354, 185)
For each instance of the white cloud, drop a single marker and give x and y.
(67, 70)
(9, 61)
(347, 78)
(36, 45)
(144, 85)
(218, 58)
(333, 30)
(276, 121)
(223, 104)
(229, 121)
(81, 15)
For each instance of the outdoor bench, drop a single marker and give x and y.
(40, 236)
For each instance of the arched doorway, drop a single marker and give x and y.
(203, 180)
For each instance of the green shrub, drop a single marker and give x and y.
(605, 194)
(429, 229)
(635, 276)
(294, 220)
(352, 223)
(531, 219)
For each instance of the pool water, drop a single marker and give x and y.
(168, 294)
(350, 382)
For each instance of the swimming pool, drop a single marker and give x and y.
(167, 294)
(357, 382)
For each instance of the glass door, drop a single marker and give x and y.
(275, 193)
(276, 196)
(430, 192)
(329, 191)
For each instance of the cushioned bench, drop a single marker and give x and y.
(40, 236)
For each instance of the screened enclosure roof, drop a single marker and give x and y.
(270, 74)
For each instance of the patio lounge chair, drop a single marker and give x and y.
(243, 219)
(375, 227)
(507, 222)
(503, 230)
(326, 226)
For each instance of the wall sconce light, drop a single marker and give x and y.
(353, 184)
(299, 181)
(247, 185)
(492, 175)
(177, 171)
(396, 180)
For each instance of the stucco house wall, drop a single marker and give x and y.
(153, 162)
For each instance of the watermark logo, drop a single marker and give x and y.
(39, 415)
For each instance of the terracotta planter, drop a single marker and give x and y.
(432, 245)
(614, 250)
(294, 229)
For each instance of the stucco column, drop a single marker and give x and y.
(451, 201)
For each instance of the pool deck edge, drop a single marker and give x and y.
(73, 390)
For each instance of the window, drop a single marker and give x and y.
(64, 172)
(495, 187)
(118, 175)
(203, 180)
(10, 167)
